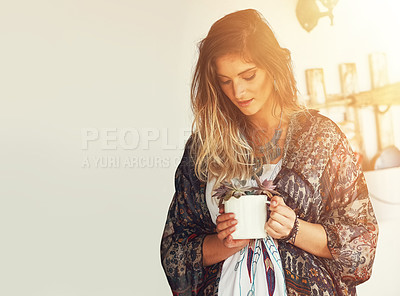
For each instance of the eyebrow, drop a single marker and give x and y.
(239, 73)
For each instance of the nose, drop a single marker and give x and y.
(239, 90)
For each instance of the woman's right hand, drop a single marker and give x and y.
(218, 247)
(226, 225)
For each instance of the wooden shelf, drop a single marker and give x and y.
(387, 95)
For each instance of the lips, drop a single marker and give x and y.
(244, 103)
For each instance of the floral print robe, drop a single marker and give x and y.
(321, 180)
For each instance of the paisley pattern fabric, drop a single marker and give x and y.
(321, 181)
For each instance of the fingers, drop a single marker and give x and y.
(225, 225)
(278, 205)
(226, 232)
(229, 242)
(276, 201)
(271, 231)
(281, 213)
(225, 217)
(278, 218)
(281, 218)
(279, 227)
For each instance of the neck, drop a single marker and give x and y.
(266, 126)
(266, 120)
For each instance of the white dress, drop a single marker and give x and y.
(257, 268)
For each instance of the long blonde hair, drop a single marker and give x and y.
(220, 132)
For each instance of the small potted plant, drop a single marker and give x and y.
(248, 203)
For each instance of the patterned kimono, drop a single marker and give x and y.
(321, 181)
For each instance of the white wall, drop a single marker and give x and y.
(71, 67)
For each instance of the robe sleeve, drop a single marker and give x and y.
(185, 229)
(350, 223)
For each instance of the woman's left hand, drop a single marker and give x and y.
(281, 219)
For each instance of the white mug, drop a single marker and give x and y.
(251, 213)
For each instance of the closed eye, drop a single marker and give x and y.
(250, 77)
(226, 82)
(247, 78)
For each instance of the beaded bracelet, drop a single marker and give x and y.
(291, 237)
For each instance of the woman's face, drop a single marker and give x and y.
(248, 87)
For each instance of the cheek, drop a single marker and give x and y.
(265, 88)
(269, 83)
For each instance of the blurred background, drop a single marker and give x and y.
(95, 111)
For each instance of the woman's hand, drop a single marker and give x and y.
(281, 219)
(218, 247)
(226, 225)
(310, 237)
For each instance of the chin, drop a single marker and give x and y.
(248, 112)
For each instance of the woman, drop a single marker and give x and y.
(247, 121)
